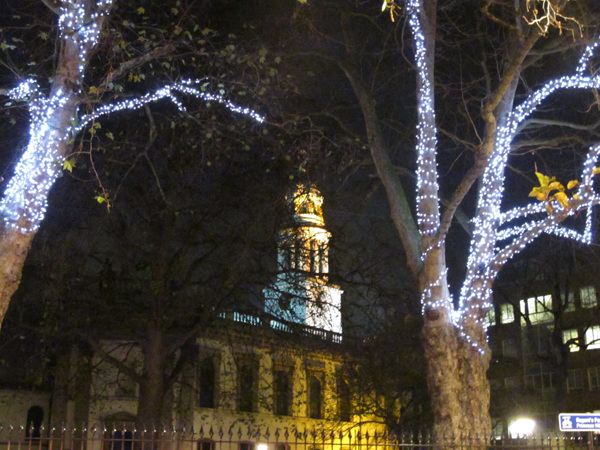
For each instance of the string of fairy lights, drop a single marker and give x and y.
(427, 185)
(497, 235)
(23, 205)
(168, 92)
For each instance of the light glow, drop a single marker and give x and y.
(522, 426)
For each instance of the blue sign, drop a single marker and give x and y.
(579, 422)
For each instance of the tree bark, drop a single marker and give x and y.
(152, 382)
(14, 247)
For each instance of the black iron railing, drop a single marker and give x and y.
(257, 438)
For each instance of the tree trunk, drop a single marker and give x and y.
(456, 366)
(14, 247)
(152, 383)
(458, 386)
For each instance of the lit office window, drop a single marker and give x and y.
(538, 309)
(507, 314)
(571, 335)
(587, 297)
(592, 337)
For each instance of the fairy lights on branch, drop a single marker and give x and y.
(492, 225)
(497, 235)
(185, 87)
(53, 117)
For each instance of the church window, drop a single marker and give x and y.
(313, 256)
(344, 399)
(282, 388)
(315, 397)
(286, 253)
(321, 257)
(247, 381)
(206, 383)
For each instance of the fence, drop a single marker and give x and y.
(255, 438)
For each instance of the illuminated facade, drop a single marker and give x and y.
(281, 368)
(301, 293)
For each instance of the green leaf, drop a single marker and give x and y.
(69, 165)
(110, 136)
(141, 10)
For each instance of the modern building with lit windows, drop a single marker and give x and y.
(545, 341)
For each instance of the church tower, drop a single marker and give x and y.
(302, 293)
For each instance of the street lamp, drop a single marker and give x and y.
(522, 426)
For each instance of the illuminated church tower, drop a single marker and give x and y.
(302, 293)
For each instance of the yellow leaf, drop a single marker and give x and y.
(576, 197)
(534, 192)
(549, 208)
(596, 171)
(562, 198)
(556, 185)
(93, 90)
(571, 184)
(543, 179)
(141, 10)
(541, 196)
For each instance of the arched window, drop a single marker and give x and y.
(313, 256)
(35, 417)
(322, 258)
